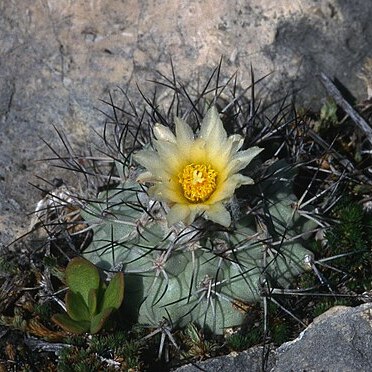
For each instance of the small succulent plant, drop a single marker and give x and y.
(89, 302)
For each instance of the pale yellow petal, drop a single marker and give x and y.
(163, 133)
(149, 160)
(187, 213)
(236, 141)
(197, 152)
(153, 163)
(219, 214)
(245, 180)
(211, 129)
(185, 139)
(169, 156)
(219, 147)
(164, 192)
(147, 177)
(184, 133)
(226, 189)
(242, 158)
(221, 155)
(179, 212)
(195, 211)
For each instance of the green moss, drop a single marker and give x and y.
(351, 235)
(242, 341)
(95, 353)
(74, 359)
(323, 306)
(7, 266)
(328, 113)
(280, 332)
(44, 310)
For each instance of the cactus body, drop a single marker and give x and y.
(195, 273)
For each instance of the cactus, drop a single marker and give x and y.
(199, 272)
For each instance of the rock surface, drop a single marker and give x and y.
(338, 340)
(251, 360)
(58, 58)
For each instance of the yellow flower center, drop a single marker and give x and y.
(198, 182)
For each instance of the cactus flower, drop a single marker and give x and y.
(195, 175)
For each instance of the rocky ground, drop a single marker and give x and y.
(58, 59)
(338, 340)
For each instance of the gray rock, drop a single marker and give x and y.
(330, 37)
(340, 340)
(251, 360)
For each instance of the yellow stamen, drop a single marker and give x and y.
(198, 182)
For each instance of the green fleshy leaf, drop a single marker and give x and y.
(70, 325)
(99, 320)
(92, 302)
(114, 294)
(76, 308)
(82, 276)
